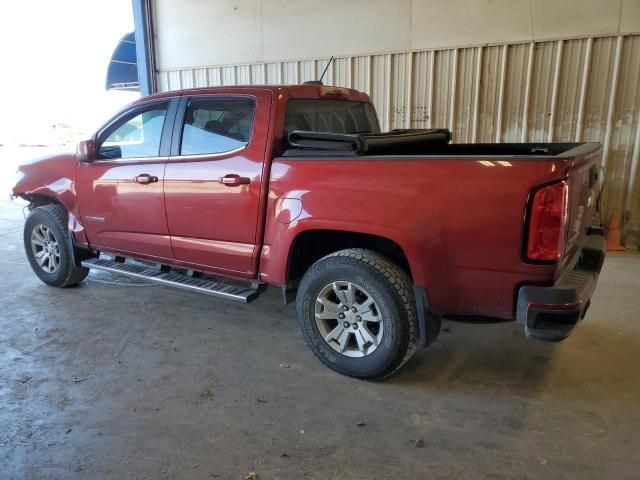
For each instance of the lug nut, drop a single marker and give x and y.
(354, 309)
(341, 316)
(355, 326)
(345, 324)
(345, 308)
(359, 318)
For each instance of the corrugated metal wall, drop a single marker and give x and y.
(583, 89)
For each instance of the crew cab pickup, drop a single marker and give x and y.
(377, 236)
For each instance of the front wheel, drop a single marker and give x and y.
(48, 248)
(357, 312)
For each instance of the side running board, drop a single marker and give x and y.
(238, 293)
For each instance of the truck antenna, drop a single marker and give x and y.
(325, 69)
(319, 82)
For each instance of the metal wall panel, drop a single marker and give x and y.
(422, 86)
(491, 93)
(516, 92)
(582, 89)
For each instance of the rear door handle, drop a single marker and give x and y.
(234, 180)
(145, 178)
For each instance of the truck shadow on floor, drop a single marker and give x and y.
(499, 357)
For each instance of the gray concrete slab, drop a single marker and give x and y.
(119, 379)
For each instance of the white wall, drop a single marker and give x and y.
(489, 70)
(217, 32)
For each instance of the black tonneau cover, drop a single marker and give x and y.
(402, 143)
(393, 142)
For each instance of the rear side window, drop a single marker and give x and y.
(217, 125)
(337, 116)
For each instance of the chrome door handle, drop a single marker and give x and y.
(145, 178)
(234, 180)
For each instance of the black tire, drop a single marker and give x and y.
(54, 217)
(392, 290)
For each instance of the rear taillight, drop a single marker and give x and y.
(548, 223)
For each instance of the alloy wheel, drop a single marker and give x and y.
(348, 319)
(45, 248)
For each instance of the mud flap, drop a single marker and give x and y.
(429, 322)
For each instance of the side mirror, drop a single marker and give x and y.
(86, 151)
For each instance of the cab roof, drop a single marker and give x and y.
(293, 91)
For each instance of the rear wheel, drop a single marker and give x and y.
(48, 248)
(357, 312)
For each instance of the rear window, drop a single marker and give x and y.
(337, 116)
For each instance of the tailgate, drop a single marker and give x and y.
(584, 190)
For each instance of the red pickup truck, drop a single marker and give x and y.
(226, 190)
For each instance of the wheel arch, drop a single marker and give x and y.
(38, 200)
(48, 197)
(308, 246)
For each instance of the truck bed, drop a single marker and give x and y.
(461, 221)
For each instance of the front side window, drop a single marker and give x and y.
(139, 136)
(217, 125)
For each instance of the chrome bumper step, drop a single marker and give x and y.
(238, 293)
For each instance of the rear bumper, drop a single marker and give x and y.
(550, 313)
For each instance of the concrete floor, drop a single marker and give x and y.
(118, 379)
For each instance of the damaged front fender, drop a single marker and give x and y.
(50, 180)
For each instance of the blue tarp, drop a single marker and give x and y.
(122, 73)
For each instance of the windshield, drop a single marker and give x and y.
(337, 116)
